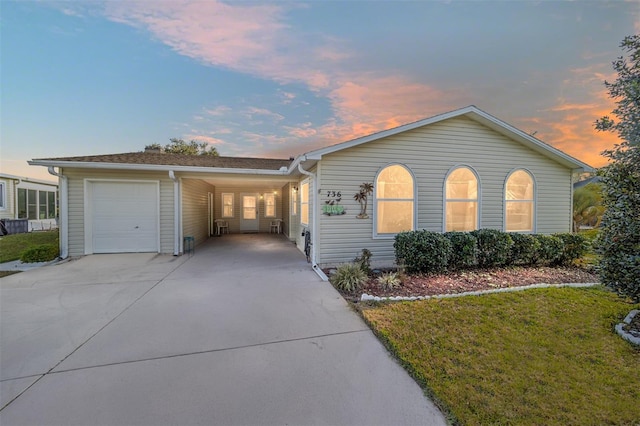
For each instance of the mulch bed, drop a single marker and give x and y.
(474, 280)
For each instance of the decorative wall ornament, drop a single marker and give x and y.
(332, 205)
(362, 197)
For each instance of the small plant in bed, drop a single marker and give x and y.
(389, 281)
(348, 277)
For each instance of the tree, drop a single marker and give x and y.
(619, 241)
(179, 146)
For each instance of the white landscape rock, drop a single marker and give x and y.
(623, 333)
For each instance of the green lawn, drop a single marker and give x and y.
(546, 356)
(12, 246)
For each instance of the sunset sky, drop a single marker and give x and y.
(276, 79)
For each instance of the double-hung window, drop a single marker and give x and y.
(294, 201)
(304, 202)
(227, 205)
(519, 200)
(269, 205)
(394, 201)
(461, 200)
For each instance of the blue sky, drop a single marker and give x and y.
(276, 79)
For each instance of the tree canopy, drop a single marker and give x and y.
(619, 241)
(179, 146)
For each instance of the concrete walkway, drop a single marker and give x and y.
(241, 332)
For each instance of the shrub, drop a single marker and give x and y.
(524, 249)
(575, 247)
(464, 249)
(348, 277)
(621, 272)
(619, 242)
(41, 253)
(389, 281)
(551, 249)
(422, 251)
(364, 261)
(493, 247)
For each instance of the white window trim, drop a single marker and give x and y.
(308, 183)
(535, 201)
(3, 196)
(374, 205)
(478, 199)
(233, 205)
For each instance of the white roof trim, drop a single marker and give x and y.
(28, 179)
(153, 167)
(475, 114)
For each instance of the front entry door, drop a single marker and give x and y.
(249, 218)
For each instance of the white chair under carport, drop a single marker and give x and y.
(276, 226)
(222, 226)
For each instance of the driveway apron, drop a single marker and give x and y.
(241, 332)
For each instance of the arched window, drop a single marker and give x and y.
(461, 200)
(519, 200)
(394, 202)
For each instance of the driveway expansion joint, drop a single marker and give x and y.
(208, 351)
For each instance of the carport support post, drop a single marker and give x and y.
(64, 211)
(177, 240)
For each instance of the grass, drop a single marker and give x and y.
(12, 246)
(546, 356)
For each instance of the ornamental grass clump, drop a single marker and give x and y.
(389, 281)
(348, 277)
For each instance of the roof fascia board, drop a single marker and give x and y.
(154, 167)
(27, 179)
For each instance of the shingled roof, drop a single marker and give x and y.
(165, 159)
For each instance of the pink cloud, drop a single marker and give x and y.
(254, 39)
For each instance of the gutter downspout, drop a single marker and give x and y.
(314, 223)
(176, 214)
(64, 211)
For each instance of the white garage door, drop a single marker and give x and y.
(123, 217)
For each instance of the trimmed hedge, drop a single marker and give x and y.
(422, 251)
(575, 246)
(493, 247)
(464, 250)
(524, 249)
(426, 251)
(551, 249)
(41, 253)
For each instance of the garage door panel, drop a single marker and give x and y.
(124, 217)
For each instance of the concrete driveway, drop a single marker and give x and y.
(241, 332)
